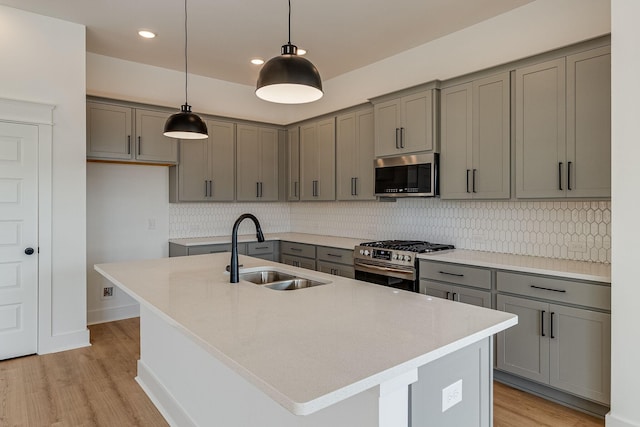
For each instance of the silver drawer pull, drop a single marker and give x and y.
(295, 249)
(262, 247)
(451, 274)
(547, 289)
(335, 256)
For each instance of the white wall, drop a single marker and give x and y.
(531, 29)
(127, 219)
(43, 60)
(625, 152)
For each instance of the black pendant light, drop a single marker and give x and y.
(289, 78)
(185, 124)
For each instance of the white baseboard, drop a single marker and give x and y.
(611, 420)
(162, 398)
(63, 342)
(104, 315)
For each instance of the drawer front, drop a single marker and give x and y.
(309, 264)
(340, 256)
(259, 248)
(336, 269)
(210, 249)
(298, 249)
(456, 273)
(555, 289)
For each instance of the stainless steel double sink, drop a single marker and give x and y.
(279, 280)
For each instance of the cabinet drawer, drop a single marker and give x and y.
(455, 273)
(336, 269)
(296, 261)
(298, 249)
(555, 289)
(259, 248)
(340, 256)
(210, 249)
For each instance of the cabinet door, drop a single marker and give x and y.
(150, 143)
(490, 174)
(268, 147)
(293, 163)
(364, 155)
(387, 121)
(221, 144)
(308, 161)
(309, 264)
(193, 171)
(471, 296)
(434, 289)
(345, 156)
(109, 131)
(540, 130)
(326, 158)
(416, 130)
(248, 163)
(524, 349)
(336, 269)
(456, 142)
(580, 351)
(589, 123)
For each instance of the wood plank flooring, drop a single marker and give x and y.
(95, 386)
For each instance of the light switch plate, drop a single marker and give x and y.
(451, 395)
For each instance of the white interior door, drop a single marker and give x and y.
(18, 239)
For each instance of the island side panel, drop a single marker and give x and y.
(191, 387)
(474, 367)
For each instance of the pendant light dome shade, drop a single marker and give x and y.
(185, 125)
(289, 79)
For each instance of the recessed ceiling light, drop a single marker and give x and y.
(257, 61)
(146, 34)
(301, 52)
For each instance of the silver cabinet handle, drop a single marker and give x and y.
(401, 137)
(295, 249)
(334, 255)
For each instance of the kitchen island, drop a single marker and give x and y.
(344, 353)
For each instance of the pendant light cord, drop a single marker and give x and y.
(289, 21)
(186, 71)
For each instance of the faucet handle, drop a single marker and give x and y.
(228, 267)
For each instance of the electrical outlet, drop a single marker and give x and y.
(451, 395)
(577, 246)
(107, 292)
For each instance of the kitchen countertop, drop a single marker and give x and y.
(581, 270)
(309, 348)
(311, 239)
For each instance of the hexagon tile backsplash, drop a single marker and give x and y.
(557, 229)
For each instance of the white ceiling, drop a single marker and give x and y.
(340, 35)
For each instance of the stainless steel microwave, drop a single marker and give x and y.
(407, 176)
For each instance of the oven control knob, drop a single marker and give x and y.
(361, 251)
(395, 256)
(366, 252)
(407, 258)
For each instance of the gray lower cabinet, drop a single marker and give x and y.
(475, 139)
(556, 342)
(338, 262)
(455, 282)
(256, 164)
(123, 133)
(563, 127)
(318, 160)
(206, 171)
(266, 250)
(298, 254)
(354, 155)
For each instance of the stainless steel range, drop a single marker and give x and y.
(392, 262)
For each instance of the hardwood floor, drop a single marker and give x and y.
(95, 386)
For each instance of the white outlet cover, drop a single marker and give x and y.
(451, 395)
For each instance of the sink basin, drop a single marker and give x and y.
(279, 280)
(293, 284)
(265, 276)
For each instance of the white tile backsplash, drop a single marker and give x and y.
(569, 230)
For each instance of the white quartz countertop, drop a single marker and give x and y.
(312, 239)
(309, 348)
(580, 270)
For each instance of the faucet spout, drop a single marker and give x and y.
(235, 270)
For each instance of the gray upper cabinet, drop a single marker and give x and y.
(123, 133)
(257, 164)
(563, 127)
(406, 124)
(293, 163)
(207, 167)
(354, 155)
(589, 123)
(318, 160)
(475, 139)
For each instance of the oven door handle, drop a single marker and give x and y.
(363, 266)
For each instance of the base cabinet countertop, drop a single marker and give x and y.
(346, 351)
